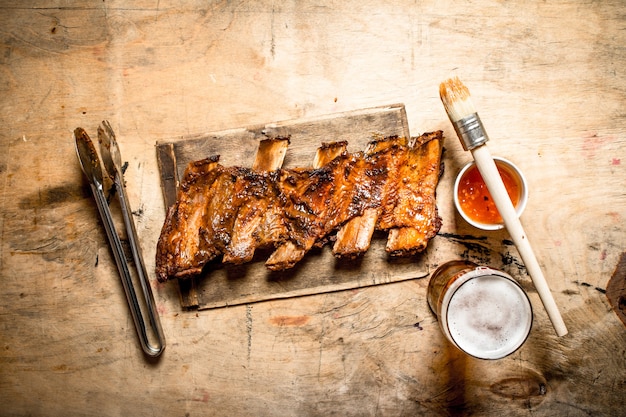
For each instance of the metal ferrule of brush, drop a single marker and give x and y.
(471, 132)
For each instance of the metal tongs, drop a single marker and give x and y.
(151, 336)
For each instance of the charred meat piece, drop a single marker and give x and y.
(259, 222)
(415, 215)
(372, 179)
(256, 196)
(396, 157)
(180, 251)
(305, 202)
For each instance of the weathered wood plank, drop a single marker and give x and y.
(320, 272)
(616, 289)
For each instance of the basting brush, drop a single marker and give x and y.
(458, 104)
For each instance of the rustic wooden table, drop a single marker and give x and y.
(549, 82)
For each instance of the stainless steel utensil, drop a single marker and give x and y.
(151, 336)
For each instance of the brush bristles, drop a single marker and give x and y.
(456, 99)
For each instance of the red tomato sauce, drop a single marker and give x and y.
(475, 199)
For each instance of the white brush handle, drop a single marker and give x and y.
(491, 176)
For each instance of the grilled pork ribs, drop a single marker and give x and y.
(233, 211)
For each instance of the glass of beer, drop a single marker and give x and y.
(482, 311)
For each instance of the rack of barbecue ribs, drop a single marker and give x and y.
(230, 212)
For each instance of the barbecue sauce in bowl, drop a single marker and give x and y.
(474, 200)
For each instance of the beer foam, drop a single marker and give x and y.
(489, 317)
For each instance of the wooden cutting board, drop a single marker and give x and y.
(319, 272)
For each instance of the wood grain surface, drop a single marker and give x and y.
(548, 79)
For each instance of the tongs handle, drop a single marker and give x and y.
(143, 278)
(127, 282)
(91, 166)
